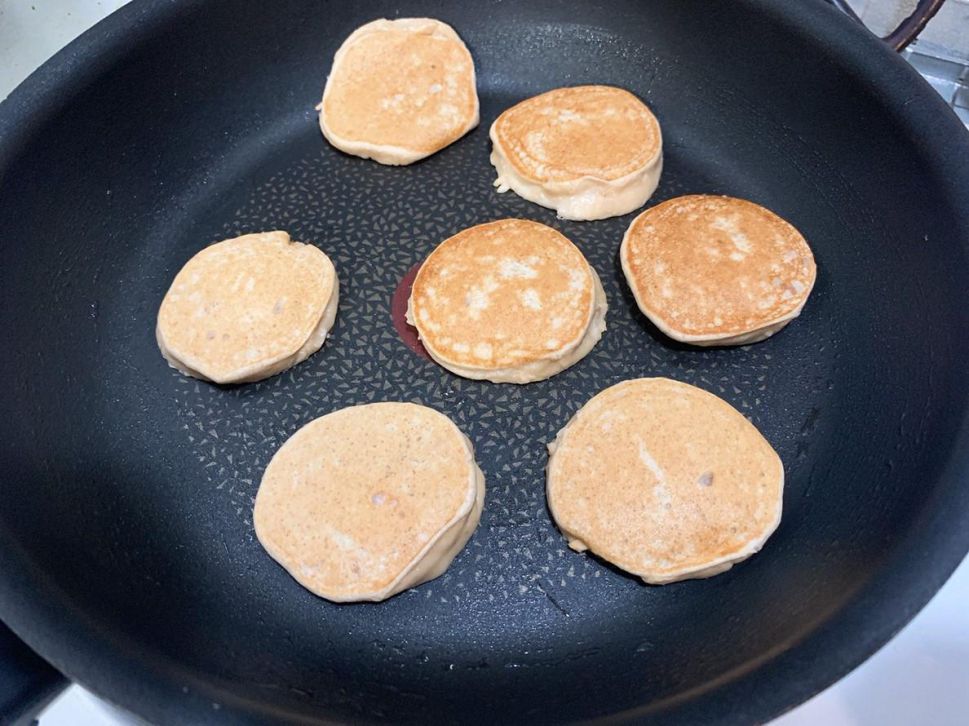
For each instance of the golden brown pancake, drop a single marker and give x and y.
(508, 301)
(370, 500)
(247, 308)
(399, 90)
(588, 152)
(664, 480)
(712, 270)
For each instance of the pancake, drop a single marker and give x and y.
(588, 152)
(664, 480)
(511, 301)
(370, 500)
(247, 308)
(711, 270)
(399, 90)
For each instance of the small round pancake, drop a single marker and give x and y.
(370, 500)
(511, 301)
(399, 90)
(712, 270)
(588, 152)
(664, 480)
(247, 308)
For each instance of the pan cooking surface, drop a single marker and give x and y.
(516, 593)
(375, 223)
(128, 488)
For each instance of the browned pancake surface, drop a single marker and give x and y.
(569, 133)
(711, 266)
(503, 294)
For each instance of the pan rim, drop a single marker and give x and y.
(82, 651)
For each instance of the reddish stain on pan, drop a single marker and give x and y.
(398, 313)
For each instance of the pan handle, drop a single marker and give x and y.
(908, 29)
(27, 682)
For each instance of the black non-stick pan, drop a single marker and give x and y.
(127, 555)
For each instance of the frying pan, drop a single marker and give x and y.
(127, 556)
